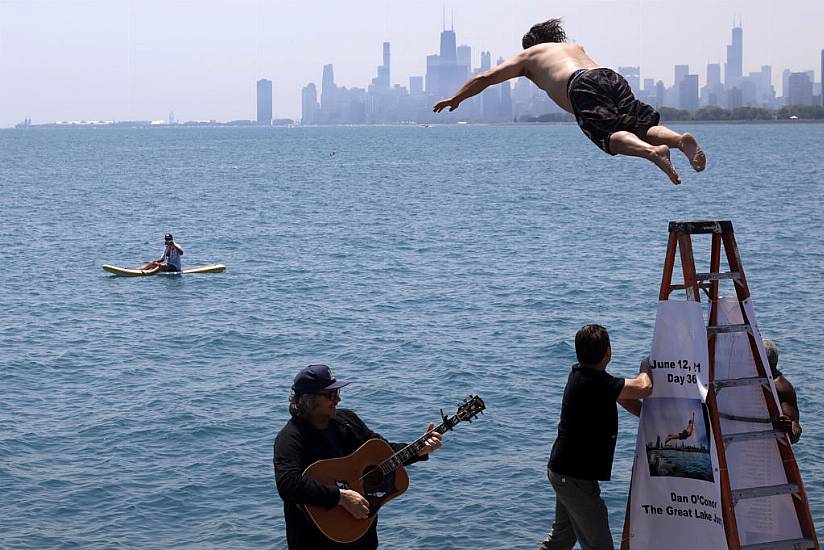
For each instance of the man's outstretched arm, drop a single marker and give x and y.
(511, 68)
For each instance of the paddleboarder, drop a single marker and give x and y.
(170, 260)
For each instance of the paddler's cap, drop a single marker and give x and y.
(315, 379)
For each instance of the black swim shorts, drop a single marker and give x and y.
(603, 104)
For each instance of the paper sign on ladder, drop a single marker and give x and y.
(675, 500)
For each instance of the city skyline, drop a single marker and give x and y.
(201, 60)
(520, 100)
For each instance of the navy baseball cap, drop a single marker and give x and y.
(315, 379)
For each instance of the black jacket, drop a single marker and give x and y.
(299, 444)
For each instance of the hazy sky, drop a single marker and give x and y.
(140, 59)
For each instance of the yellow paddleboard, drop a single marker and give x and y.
(126, 272)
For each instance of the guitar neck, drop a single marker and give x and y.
(410, 451)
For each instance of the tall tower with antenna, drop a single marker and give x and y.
(448, 44)
(734, 68)
(446, 71)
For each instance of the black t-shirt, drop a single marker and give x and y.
(589, 425)
(298, 445)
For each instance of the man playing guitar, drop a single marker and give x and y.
(318, 430)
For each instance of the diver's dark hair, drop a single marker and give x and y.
(591, 344)
(548, 31)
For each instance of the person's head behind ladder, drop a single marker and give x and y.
(772, 353)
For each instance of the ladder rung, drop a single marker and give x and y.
(684, 287)
(734, 275)
(753, 436)
(789, 544)
(717, 329)
(735, 382)
(766, 491)
(701, 226)
(746, 418)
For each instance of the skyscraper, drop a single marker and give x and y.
(681, 71)
(785, 83)
(633, 77)
(264, 101)
(712, 94)
(309, 104)
(800, 89)
(688, 93)
(735, 98)
(713, 73)
(382, 81)
(762, 93)
(415, 85)
(486, 61)
(444, 74)
(785, 78)
(464, 56)
(734, 68)
(659, 94)
(386, 59)
(448, 46)
(491, 97)
(327, 87)
(433, 74)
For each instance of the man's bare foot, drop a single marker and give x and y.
(661, 157)
(693, 151)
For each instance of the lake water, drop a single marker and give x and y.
(425, 264)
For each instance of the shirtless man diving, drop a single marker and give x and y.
(684, 434)
(600, 99)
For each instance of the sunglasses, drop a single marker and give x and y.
(331, 394)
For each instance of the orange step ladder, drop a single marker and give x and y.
(763, 429)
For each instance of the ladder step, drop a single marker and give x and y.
(746, 418)
(766, 491)
(717, 329)
(735, 382)
(789, 544)
(684, 287)
(701, 226)
(705, 286)
(734, 275)
(753, 436)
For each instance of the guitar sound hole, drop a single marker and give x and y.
(377, 488)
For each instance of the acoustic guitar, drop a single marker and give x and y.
(375, 471)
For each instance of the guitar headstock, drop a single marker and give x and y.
(471, 407)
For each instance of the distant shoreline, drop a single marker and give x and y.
(777, 121)
(676, 122)
(48, 126)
